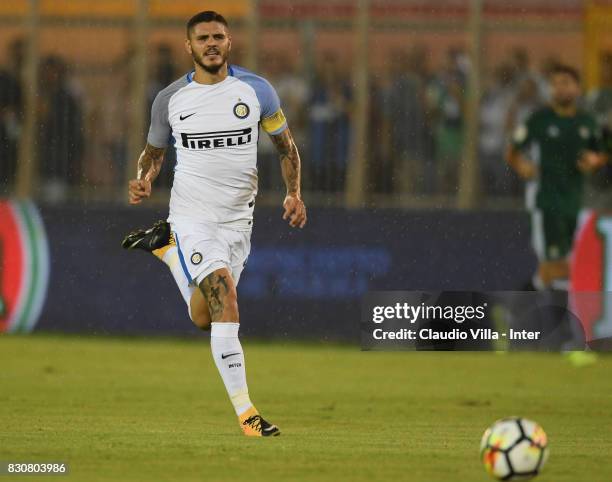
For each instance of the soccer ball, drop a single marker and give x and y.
(514, 449)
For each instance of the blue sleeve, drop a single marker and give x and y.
(160, 131)
(268, 98)
(272, 118)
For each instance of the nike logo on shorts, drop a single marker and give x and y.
(185, 117)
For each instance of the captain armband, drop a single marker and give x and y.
(274, 123)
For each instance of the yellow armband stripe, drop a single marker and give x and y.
(274, 123)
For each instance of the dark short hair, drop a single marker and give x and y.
(206, 16)
(561, 69)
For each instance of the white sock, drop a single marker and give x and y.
(229, 358)
(171, 259)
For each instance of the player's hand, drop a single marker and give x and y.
(526, 169)
(138, 189)
(590, 161)
(295, 210)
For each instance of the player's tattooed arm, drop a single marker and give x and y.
(295, 210)
(150, 162)
(149, 166)
(290, 160)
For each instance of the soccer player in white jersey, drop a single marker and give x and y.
(212, 115)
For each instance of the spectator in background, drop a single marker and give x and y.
(114, 119)
(494, 106)
(404, 119)
(164, 73)
(523, 71)
(599, 103)
(163, 70)
(446, 100)
(292, 89)
(599, 100)
(60, 135)
(329, 126)
(526, 100)
(380, 160)
(268, 168)
(10, 115)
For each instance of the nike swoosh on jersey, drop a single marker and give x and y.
(185, 117)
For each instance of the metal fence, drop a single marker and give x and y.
(393, 103)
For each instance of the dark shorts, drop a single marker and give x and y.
(552, 233)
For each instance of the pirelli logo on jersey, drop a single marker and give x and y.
(214, 140)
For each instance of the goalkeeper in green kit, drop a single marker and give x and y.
(552, 152)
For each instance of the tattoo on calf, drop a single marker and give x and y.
(215, 289)
(214, 294)
(221, 281)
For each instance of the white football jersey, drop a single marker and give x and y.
(214, 129)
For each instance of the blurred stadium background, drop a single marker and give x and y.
(401, 110)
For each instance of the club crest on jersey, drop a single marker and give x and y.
(553, 131)
(241, 110)
(196, 258)
(585, 132)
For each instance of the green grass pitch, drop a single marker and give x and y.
(156, 410)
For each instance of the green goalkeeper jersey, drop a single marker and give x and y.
(555, 143)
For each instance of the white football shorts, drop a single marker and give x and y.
(206, 247)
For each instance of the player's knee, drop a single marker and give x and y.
(202, 321)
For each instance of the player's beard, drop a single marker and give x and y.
(211, 69)
(565, 102)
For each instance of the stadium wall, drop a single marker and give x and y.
(296, 284)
